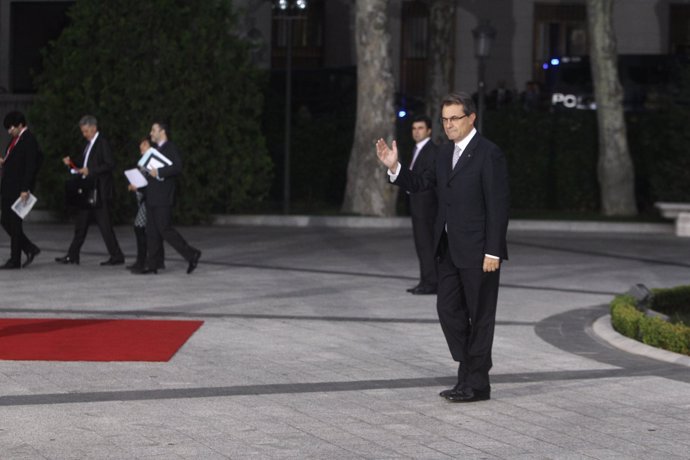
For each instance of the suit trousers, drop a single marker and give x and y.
(158, 229)
(423, 233)
(14, 226)
(466, 305)
(102, 217)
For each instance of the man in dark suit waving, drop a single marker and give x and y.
(160, 198)
(423, 206)
(96, 166)
(471, 181)
(19, 163)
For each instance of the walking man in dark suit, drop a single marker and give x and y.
(471, 181)
(423, 206)
(19, 163)
(96, 166)
(160, 198)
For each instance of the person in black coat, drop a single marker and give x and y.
(19, 163)
(160, 198)
(471, 181)
(423, 206)
(96, 168)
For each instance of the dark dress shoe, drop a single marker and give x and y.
(413, 288)
(67, 260)
(30, 257)
(193, 262)
(145, 271)
(424, 290)
(111, 261)
(468, 396)
(10, 265)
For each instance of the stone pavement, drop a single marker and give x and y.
(311, 348)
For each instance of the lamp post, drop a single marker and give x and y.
(288, 11)
(484, 36)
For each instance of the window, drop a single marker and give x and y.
(32, 26)
(559, 30)
(415, 47)
(679, 40)
(307, 38)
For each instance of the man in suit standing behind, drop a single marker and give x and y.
(471, 180)
(423, 206)
(96, 165)
(19, 164)
(160, 198)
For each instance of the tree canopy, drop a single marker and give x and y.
(128, 63)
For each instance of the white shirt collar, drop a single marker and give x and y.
(422, 143)
(465, 142)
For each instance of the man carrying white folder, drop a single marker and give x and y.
(19, 162)
(160, 198)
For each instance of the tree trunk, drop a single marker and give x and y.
(615, 168)
(441, 61)
(367, 191)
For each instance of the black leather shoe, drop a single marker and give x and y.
(135, 266)
(67, 260)
(467, 396)
(9, 265)
(424, 290)
(30, 257)
(413, 288)
(193, 262)
(445, 393)
(111, 261)
(145, 271)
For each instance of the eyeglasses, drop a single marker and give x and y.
(452, 120)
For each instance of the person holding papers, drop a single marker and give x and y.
(20, 162)
(140, 218)
(96, 165)
(163, 166)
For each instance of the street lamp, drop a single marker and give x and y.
(484, 36)
(288, 11)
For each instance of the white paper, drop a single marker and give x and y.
(152, 158)
(22, 208)
(136, 178)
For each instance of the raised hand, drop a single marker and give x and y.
(387, 155)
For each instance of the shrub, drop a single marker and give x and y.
(651, 330)
(656, 332)
(131, 62)
(670, 301)
(625, 317)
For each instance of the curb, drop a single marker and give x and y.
(275, 220)
(602, 328)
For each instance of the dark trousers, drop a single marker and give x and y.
(466, 305)
(81, 227)
(14, 227)
(158, 229)
(423, 233)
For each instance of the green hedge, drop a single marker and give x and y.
(654, 331)
(670, 301)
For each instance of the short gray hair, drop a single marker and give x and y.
(88, 120)
(460, 98)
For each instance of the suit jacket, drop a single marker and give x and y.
(473, 200)
(423, 204)
(20, 170)
(162, 193)
(101, 164)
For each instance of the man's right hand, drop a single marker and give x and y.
(387, 155)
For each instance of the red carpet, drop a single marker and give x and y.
(92, 339)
